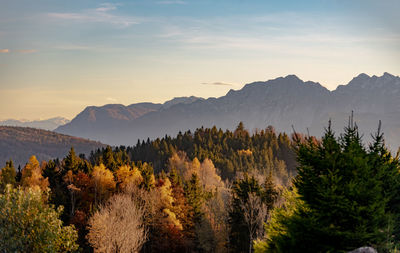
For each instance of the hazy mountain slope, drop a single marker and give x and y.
(47, 124)
(372, 99)
(94, 122)
(19, 143)
(180, 100)
(280, 102)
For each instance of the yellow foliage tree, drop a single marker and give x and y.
(127, 175)
(103, 183)
(167, 200)
(32, 175)
(208, 176)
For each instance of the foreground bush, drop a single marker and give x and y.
(29, 224)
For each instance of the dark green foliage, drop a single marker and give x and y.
(175, 178)
(270, 192)
(59, 195)
(350, 195)
(108, 159)
(147, 174)
(241, 189)
(7, 175)
(71, 162)
(230, 152)
(194, 196)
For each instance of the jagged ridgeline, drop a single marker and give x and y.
(231, 152)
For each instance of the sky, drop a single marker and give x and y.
(57, 56)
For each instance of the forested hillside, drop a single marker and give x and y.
(19, 143)
(186, 183)
(209, 191)
(230, 151)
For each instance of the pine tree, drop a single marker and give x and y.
(71, 162)
(147, 174)
(194, 196)
(108, 159)
(349, 193)
(7, 175)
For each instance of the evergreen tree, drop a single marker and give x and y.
(71, 162)
(194, 196)
(7, 175)
(349, 192)
(108, 159)
(147, 174)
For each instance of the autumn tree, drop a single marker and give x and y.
(118, 226)
(72, 189)
(32, 175)
(126, 175)
(103, 183)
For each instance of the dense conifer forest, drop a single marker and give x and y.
(208, 191)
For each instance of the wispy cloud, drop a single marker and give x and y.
(219, 84)
(283, 35)
(101, 14)
(26, 51)
(73, 47)
(106, 7)
(4, 50)
(88, 48)
(111, 99)
(171, 2)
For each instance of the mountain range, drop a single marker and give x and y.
(284, 102)
(47, 124)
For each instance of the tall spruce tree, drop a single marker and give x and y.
(350, 195)
(7, 175)
(195, 197)
(71, 162)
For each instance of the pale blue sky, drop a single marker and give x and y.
(57, 56)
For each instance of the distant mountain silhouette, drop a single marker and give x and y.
(19, 143)
(47, 124)
(283, 102)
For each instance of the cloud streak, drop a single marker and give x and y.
(4, 51)
(26, 51)
(219, 84)
(111, 99)
(171, 2)
(101, 14)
